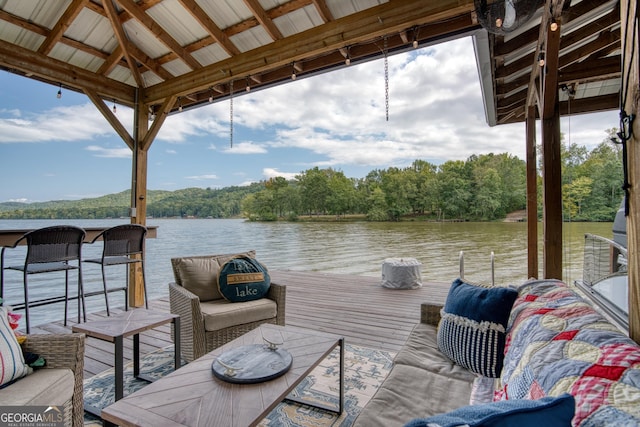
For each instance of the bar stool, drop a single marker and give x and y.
(123, 244)
(49, 249)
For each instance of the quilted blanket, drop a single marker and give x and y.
(558, 343)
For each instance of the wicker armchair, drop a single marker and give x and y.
(63, 351)
(195, 340)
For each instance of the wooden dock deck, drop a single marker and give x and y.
(356, 307)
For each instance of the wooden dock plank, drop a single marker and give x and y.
(356, 307)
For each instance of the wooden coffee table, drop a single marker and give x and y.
(193, 396)
(117, 327)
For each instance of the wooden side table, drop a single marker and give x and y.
(115, 328)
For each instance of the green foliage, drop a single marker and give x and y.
(484, 187)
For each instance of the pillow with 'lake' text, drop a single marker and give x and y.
(243, 279)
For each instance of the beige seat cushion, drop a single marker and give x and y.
(222, 314)
(51, 387)
(409, 393)
(199, 274)
(421, 351)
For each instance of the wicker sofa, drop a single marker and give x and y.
(58, 383)
(556, 343)
(207, 320)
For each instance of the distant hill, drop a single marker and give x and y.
(197, 202)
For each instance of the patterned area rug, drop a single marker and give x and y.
(365, 369)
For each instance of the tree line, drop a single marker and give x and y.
(482, 188)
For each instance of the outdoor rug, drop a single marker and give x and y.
(365, 369)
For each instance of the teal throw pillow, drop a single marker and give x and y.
(243, 279)
(472, 330)
(546, 412)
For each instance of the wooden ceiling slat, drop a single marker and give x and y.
(592, 70)
(605, 41)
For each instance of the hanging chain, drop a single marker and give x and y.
(386, 80)
(231, 114)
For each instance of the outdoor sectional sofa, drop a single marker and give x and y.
(554, 343)
(58, 383)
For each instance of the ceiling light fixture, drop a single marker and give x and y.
(248, 87)
(180, 104)
(541, 59)
(210, 94)
(114, 106)
(554, 25)
(293, 71)
(347, 60)
(59, 95)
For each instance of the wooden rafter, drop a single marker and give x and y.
(122, 41)
(360, 27)
(144, 19)
(53, 70)
(264, 19)
(72, 11)
(207, 23)
(323, 10)
(111, 117)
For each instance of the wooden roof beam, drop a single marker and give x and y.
(112, 15)
(552, 60)
(258, 11)
(323, 10)
(139, 15)
(367, 25)
(207, 23)
(110, 116)
(72, 11)
(57, 72)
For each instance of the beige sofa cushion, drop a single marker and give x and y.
(222, 314)
(409, 392)
(51, 387)
(421, 351)
(199, 274)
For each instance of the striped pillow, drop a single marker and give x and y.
(12, 365)
(472, 330)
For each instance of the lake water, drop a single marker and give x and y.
(357, 248)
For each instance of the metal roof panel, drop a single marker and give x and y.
(177, 21)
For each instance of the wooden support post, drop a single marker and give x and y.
(532, 195)
(138, 195)
(630, 102)
(552, 194)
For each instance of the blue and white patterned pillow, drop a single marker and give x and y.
(472, 330)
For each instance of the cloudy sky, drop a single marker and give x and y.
(53, 149)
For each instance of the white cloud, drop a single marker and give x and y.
(118, 153)
(205, 177)
(66, 123)
(247, 147)
(273, 173)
